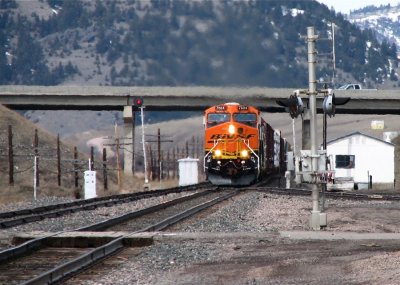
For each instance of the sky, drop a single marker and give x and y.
(344, 6)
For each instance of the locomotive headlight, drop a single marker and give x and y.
(218, 152)
(231, 129)
(244, 153)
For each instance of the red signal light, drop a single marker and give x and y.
(138, 102)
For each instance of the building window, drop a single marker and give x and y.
(345, 161)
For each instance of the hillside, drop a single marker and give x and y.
(23, 135)
(384, 22)
(182, 42)
(176, 43)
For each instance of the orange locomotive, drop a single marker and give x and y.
(240, 147)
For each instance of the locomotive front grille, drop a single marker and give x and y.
(231, 149)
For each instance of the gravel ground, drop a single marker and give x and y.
(261, 260)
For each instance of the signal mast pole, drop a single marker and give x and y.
(312, 159)
(146, 180)
(317, 219)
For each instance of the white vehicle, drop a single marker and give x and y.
(350, 87)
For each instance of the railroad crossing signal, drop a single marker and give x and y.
(330, 102)
(294, 105)
(137, 102)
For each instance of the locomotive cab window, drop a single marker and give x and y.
(249, 119)
(214, 119)
(345, 161)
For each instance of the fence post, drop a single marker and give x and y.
(193, 147)
(58, 161)
(10, 157)
(151, 164)
(36, 159)
(168, 166)
(76, 166)
(159, 155)
(105, 181)
(173, 164)
(91, 158)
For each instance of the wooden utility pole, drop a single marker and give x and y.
(151, 172)
(10, 157)
(159, 155)
(161, 166)
(117, 143)
(157, 166)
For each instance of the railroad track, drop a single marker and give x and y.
(338, 194)
(24, 216)
(43, 264)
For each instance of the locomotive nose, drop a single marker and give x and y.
(232, 171)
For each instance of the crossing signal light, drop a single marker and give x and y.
(138, 102)
(330, 103)
(294, 105)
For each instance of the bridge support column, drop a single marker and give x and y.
(129, 136)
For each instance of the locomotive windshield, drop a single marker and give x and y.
(214, 119)
(249, 119)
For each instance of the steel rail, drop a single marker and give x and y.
(36, 244)
(24, 248)
(344, 195)
(188, 213)
(62, 271)
(123, 218)
(80, 263)
(25, 216)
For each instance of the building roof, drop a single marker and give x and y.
(358, 133)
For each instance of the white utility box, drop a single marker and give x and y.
(90, 184)
(188, 171)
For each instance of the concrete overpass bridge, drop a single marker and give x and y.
(190, 98)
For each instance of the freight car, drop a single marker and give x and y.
(240, 147)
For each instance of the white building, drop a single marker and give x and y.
(358, 157)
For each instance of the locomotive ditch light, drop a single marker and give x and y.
(294, 105)
(330, 102)
(218, 152)
(244, 153)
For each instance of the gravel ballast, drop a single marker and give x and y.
(268, 260)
